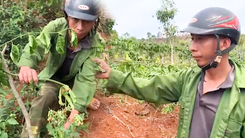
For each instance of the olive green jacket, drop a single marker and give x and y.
(182, 87)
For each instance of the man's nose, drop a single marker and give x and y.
(193, 46)
(79, 26)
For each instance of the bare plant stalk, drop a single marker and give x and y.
(26, 3)
(172, 52)
(16, 94)
(2, 3)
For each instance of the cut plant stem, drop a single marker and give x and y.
(16, 94)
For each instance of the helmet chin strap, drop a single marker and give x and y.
(218, 57)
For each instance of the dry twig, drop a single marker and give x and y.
(16, 94)
(110, 111)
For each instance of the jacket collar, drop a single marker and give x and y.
(239, 73)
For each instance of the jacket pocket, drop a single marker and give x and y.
(233, 129)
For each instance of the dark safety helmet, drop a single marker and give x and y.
(82, 9)
(215, 20)
(219, 22)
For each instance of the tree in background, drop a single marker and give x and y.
(106, 22)
(166, 15)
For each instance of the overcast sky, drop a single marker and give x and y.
(135, 16)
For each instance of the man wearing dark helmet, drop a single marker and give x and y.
(73, 68)
(211, 96)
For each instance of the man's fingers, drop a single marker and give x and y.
(101, 75)
(101, 62)
(66, 125)
(34, 76)
(98, 75)
(104, 66)
(98, 60)
(30, 78)
(21, 77)
(25, 77)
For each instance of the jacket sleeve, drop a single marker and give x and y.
(84, 85)
(43, 40)
(160, 89)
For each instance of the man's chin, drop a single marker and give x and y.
(80, 37)
(200, 64)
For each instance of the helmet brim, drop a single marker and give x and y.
(78, 15)
(198, 31)
(225, 32)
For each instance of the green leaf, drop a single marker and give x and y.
(12, 121)
(15, 54)
(60, 96)
(50, 2)
(76, 135)
(140, 101)
(84, 127)
(0, 64)
(3, 135)
(42, 39)
(3, 78)
(60, 45)
(2, 125)
(3, 92)
(33, 43)
(50, 129)
(74, 41)
(61, 133)
(47, 42)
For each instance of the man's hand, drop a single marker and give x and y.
(27, 75)
(105, 67)
(71, 118)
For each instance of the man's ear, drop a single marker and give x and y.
(225, 43)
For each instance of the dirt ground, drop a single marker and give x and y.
(121, 116)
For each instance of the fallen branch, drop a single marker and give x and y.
(16, 94)
(120, 120)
